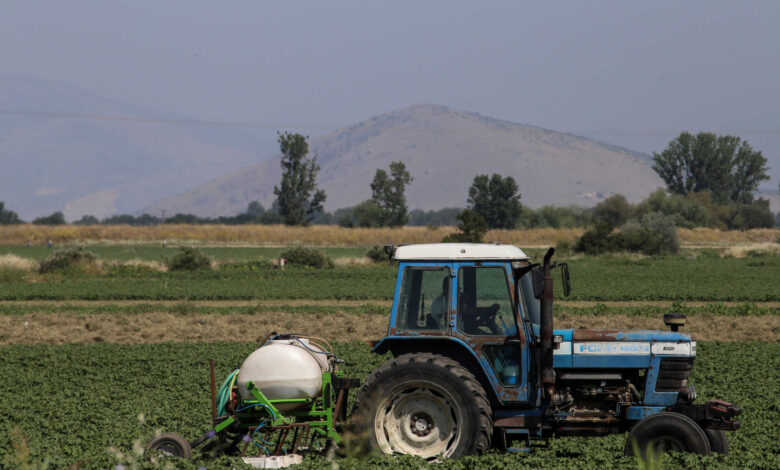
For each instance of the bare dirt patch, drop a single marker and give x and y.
(56, 328)
(357, 303)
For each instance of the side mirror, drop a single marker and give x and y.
(565, 279)
(537, 278)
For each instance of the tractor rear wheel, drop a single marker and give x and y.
(666, 431)
(425, 405)
(170, 444)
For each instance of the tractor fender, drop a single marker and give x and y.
(454, 348)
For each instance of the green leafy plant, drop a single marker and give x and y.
(377, 254)
(71, 258)
(654, 460)
(188, 259)
(307, 257)
(258, 264)
(472, 228)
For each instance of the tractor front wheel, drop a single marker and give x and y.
(425, 405)
(666, 431)
(719, 443)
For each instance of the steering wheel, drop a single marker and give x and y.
(486, 316)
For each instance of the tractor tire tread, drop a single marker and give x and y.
(465, 379)
(676, 425)
(719, 443)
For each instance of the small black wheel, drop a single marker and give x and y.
(667, 432)
(719, 443)
(170, 444)
(425, 405)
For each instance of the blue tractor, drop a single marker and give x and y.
(477, 364)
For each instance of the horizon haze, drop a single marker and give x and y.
(215, 82)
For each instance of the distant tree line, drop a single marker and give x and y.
(710, 183)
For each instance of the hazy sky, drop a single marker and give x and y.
(631, 73)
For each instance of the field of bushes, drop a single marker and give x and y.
(103, 343)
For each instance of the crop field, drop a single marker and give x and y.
(704, 277)
(73, 402)
(94, 359)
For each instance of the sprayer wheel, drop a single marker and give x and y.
(425, 405)
(170, 444)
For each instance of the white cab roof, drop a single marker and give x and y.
(459, 251)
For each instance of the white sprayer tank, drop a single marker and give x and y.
(284, 369)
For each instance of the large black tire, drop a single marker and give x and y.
(170, 445)
(426, 405)
(667, 431)
(719, 443)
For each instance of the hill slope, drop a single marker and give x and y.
(101, 166)
(443, 149)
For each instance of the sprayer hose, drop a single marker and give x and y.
(223, 396)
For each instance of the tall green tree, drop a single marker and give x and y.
(726, 166)
(388, 192)
(56, 218)
(8, 217)
(614, 210)
(297, 195)
(471, 229)
(496, 199)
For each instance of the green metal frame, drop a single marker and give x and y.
(318, 415)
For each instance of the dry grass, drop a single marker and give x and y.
(151, 264)
(715, 236)
(269, 234)
(741, 251)
(55, 328)
(331, 235)
(352, 261)
(17, 263)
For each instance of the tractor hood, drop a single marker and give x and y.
(619, 348)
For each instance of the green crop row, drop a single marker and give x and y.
(371, 308)
(71, 403)
(593, 279)
(130, 251)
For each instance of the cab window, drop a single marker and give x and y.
(425, 299)
(484, 302)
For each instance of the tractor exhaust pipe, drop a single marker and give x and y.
(546, 329)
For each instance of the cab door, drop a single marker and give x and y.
(487, 320)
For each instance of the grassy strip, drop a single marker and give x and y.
(186, 307)
(161, 327)
(747, 309)
(73, 402)
(271, 234)
(158, 253)
(751, 279)
(326, 235)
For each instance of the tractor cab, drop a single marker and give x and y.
(478, 300)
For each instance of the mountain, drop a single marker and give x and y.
(53, 159)
(443, 149)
